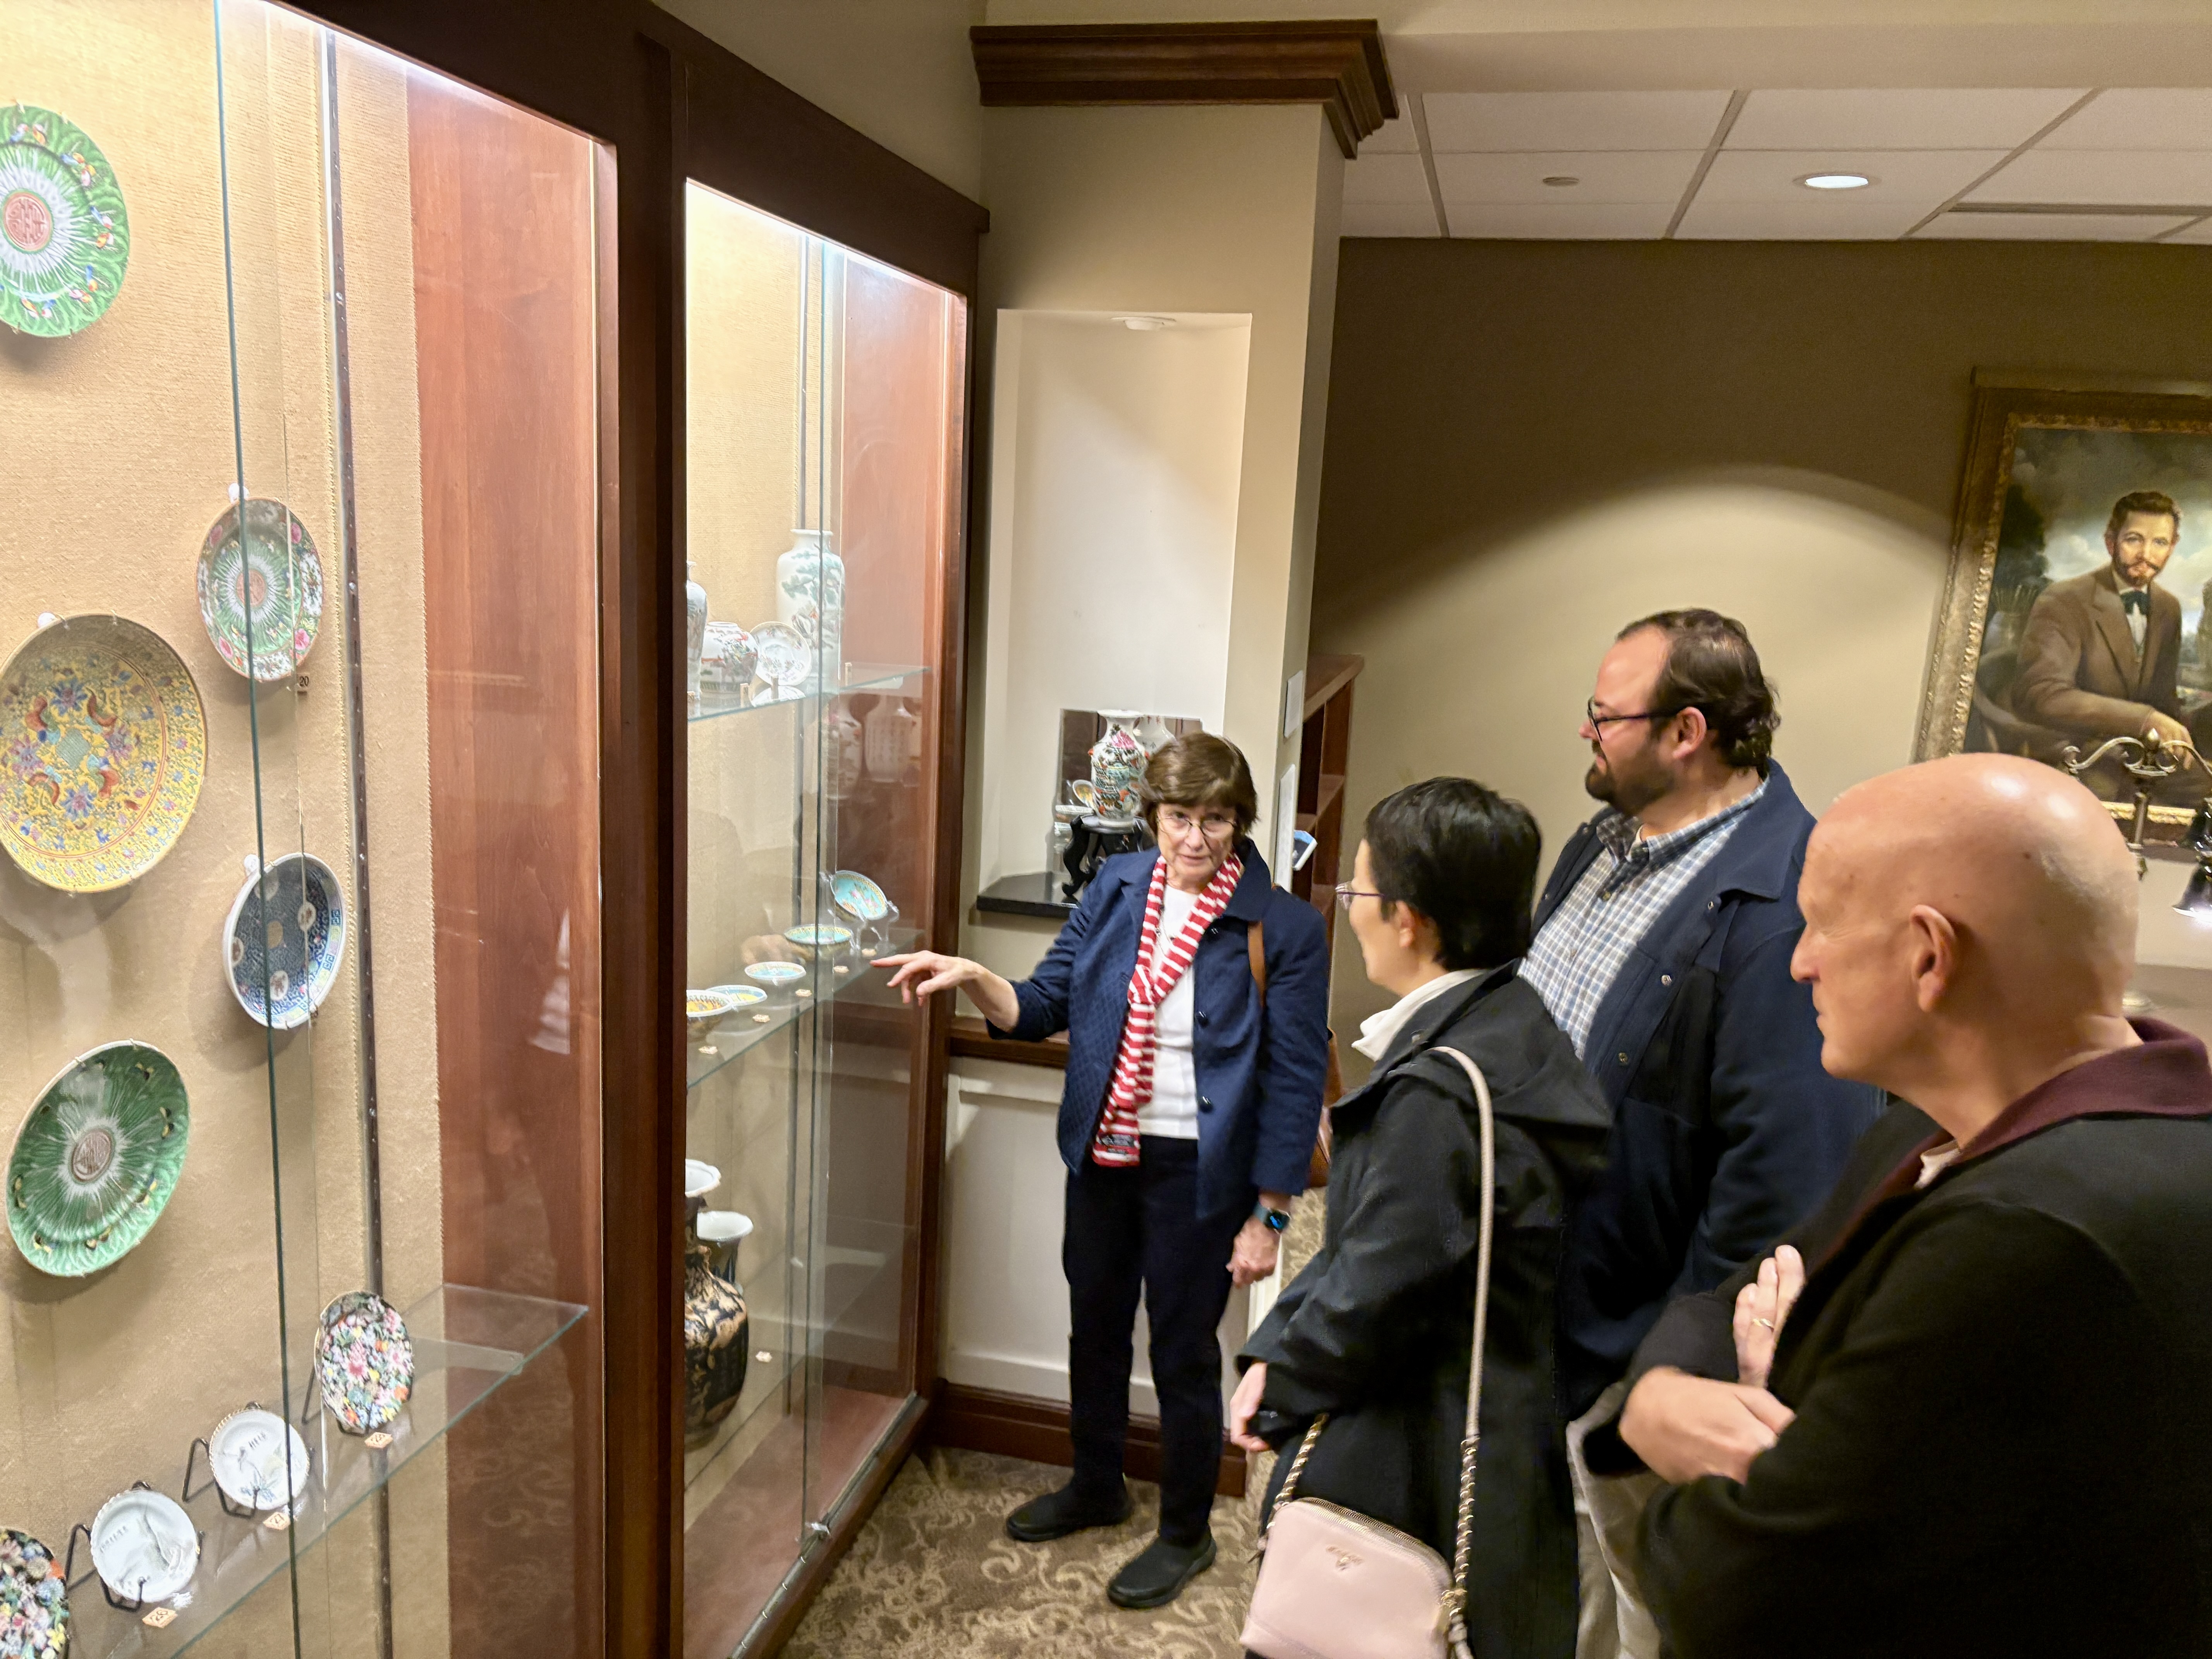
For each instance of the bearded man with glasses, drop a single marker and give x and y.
(1663, 949)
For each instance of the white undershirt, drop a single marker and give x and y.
(1934, 1164)
(1173, 1110)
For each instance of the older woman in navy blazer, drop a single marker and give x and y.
(1187, 1123)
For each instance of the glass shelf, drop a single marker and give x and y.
(850, 975)
(859, 677)
(467, 1342)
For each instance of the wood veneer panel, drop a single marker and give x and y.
(507, 337)
(738, 1550)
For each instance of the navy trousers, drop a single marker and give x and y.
(1139, 1228)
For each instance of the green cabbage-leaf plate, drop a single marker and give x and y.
(261, 589)
(65, 238)
(96, 1160)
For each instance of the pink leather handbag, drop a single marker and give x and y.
(1335, 1584)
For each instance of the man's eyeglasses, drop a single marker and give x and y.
(1600, 722)
(1346, 893)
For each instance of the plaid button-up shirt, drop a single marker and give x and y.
(1579, 951)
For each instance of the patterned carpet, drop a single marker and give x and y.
(932, 1575)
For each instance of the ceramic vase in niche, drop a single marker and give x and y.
(893, 747)
(716, 1333)
(726, 663)
(1117, 764)
(695, 635)
(810, 596)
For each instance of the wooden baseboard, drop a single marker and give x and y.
(1021, 1426)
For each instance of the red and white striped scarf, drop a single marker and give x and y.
(1115, 1145)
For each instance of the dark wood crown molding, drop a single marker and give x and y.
(1338, 64)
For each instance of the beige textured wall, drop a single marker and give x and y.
(105, 1379)
(1531, 444)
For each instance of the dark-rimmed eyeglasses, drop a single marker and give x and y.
(1599, 722)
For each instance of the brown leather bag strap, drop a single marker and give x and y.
(1255, 948)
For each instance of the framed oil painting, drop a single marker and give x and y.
(2079, 604)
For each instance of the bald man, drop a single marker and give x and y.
(1968, 1414)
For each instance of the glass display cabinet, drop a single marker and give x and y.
(300, 938)
(823, 407)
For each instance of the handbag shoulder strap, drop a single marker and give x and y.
(1255, 950)
(1463, 1534)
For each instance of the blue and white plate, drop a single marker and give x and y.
(284, 940)
(819, 935)
(776, 975)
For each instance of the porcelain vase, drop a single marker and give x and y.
(810, 596)
(717, 1331)
(1117, 765)
(695, 635)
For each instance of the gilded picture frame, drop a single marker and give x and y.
(2031, 651)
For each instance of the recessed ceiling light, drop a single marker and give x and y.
(1835, 181)
(1146, 323)
(1561, 180)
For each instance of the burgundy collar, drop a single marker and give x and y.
(2166, 1075)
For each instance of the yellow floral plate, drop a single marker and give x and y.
(103, 745)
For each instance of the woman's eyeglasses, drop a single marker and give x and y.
(1214, 826)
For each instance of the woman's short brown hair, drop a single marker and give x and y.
(1196, 771)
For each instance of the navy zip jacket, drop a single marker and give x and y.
(1259, 1079)
(1725, 1131)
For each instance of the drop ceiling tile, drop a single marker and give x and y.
(1573, 120)
(2198, 232)
(1606, 176)
(1933, 119)
(2047, 227)
(1394, 137)
(1400, 178)
(1921, 176)
(1389, 219)
(1797, 222)
(2139, 117)
(2104, 177)
(1562, 221)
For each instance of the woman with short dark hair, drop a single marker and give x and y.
(1376, 1331)
(1186, 1123)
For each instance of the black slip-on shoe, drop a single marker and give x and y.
(1156, 1576)
(1057, 1514)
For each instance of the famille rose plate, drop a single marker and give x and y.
(65, 238)
(857, 896)
(776, 975)
(364, 1361)
(783, 659)
(103, 746)
(35, 1609)
(144, 1547)
(261, 590)
(740, 996)
(259, 1460)
(819, 935)
(701, 1009)
(284, 939)
(96, 1160)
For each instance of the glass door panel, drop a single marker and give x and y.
(821, 460)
